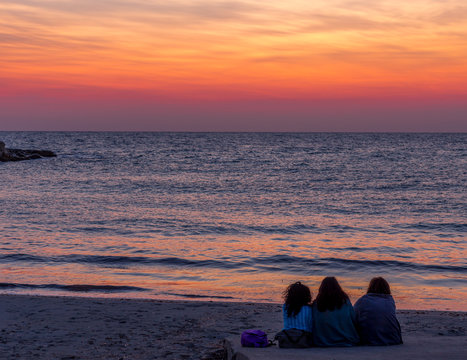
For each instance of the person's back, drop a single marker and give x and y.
(376, 316)
(300, 321)
(296, 309)
(333, 316)
(335, 327)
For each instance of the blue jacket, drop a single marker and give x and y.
(376, 320)
(335, 328)
(301, 321)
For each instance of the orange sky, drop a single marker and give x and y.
(56, 55)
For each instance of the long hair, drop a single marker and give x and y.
(330, 295)
(379, 286)
(295, 296)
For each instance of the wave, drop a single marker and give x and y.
(456, 227)
(109, 260)
(354, 264)
(184, 227)
(196, 296)
(274, 263)
(76, 288)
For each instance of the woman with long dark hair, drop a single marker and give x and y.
(333, 316)
(377, 323)
(296, 310)
(297, 313)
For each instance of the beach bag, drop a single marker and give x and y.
(294, 338)
(254, 338)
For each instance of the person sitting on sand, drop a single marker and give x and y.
(297, 312)
(377, 323)
(333, 316)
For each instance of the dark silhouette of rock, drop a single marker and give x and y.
(18, 154)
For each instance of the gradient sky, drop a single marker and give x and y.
(252, 65)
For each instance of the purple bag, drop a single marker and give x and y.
(254, 338)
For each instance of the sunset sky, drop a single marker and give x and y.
(252, 65)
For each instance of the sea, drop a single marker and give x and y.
(235, 216)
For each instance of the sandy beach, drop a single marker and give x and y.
(40, 327)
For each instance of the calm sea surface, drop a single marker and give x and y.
(235, 216)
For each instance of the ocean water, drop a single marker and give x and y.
(235, 216)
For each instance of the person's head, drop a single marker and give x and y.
(295, 296)
(330, 295)
(379, 286)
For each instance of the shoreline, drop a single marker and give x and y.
(89, 294)
(71, 327)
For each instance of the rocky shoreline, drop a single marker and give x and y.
(19, 154)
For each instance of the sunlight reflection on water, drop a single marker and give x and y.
(236, 216)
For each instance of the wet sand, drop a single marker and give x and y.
(40, 327)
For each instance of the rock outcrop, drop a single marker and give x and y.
(18, 154)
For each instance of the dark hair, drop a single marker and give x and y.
(295, 296)
(330, 295)
(379, 286)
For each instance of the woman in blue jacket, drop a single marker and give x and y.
(296, 310)
(333, 316)
(376, 315)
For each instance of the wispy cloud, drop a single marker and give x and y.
(181, 45)
(455, 15)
